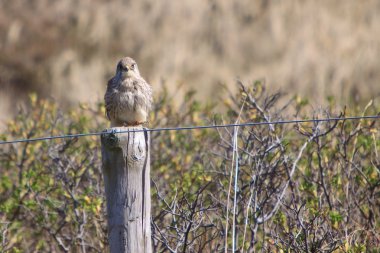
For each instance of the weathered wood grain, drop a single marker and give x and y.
(126, 170)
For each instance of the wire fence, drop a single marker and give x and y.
(181, 128)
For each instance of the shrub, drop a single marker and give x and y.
(310, 187)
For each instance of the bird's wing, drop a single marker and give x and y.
(107, 98)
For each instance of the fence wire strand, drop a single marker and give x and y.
(281, 122)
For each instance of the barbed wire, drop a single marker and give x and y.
(281, 122)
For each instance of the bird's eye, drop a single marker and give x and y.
(133, 65)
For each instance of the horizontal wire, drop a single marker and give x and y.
(190, 128)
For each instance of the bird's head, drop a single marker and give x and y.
(127, 68)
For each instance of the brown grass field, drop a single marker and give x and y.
(67, 49)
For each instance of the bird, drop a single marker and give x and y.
(128, 98)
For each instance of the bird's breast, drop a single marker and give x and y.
(128, 100)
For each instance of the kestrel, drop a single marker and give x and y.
(128, 98)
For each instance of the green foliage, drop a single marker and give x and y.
(51, 192)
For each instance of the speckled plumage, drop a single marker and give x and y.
(128, 98)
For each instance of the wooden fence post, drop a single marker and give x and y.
(126, 171)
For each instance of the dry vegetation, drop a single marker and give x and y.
(67, 49)
(311, 187)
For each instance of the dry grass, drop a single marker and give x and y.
(67, 49)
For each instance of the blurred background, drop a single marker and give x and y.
(68, 49)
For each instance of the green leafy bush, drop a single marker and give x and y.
(311, 187)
